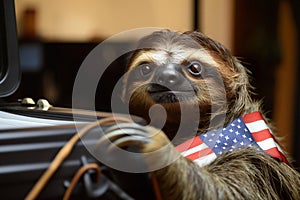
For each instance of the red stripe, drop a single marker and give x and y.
(200, 154)
(275, 153)
(252, 117)
(196, 141)
(262, 135)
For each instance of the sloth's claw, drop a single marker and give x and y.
(125, 134)
(132, 140)
(118, 133)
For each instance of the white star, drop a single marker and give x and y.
(218, 141)
(239, 121)
(221, 135)
(245, 130)
(235, 141)
(230, 130)
(242, 143)
(250, 139)
(232, 124)
(238, 126)
(244, 136)
(237, 133)
(226, 137)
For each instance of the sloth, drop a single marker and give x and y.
(186, 85)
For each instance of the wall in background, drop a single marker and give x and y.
(77, 20)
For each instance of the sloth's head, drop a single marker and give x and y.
(185, 70)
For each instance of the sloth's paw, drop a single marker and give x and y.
(146, 138)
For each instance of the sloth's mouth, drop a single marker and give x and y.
(162, 94)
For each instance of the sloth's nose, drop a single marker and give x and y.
(169, 76)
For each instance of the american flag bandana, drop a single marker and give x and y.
(247, 130)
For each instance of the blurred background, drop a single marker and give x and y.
(56, 36)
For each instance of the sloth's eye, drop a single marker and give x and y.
(145, 68)
(195, 68)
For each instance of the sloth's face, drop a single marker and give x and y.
(185, 83)
(174, 75)
(167, 78)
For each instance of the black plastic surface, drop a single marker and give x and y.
(10, 73)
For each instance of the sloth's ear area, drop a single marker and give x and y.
(239, 78)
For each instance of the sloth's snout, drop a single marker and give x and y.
(169, 76)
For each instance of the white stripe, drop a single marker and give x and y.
(267, 144)
(194, 149)
(205, 160)
(257, 126)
